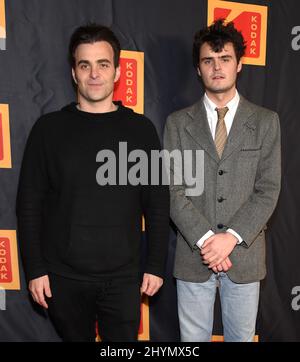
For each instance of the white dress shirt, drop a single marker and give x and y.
(212, 118)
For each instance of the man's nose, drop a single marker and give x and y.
(94, 72)
(217, 64)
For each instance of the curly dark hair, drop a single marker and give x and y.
(217, 35)
(91, 33)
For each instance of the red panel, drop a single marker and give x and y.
(5, 261)
(126, 87)
(1, 139)
(249, 23)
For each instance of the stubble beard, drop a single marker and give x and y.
(216, 90)
(95, 98)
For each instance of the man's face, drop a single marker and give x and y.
(94, 72)
(218, 70)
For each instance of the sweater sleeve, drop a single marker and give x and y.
(156, 207)
(33, 187)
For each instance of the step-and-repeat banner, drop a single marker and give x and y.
(157, 78)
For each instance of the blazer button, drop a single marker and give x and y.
(221, 172)
(220, 199)
(220, 226)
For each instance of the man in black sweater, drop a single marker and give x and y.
(80, 235)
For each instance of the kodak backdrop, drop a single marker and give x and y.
(158, 78)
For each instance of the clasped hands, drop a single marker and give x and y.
(216, 249)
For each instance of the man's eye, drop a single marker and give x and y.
(84, 66)
(207, 61)
(104, 65)
(225, 59)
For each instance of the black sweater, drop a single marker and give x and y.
(70, 225)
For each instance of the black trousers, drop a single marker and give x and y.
(75, 306)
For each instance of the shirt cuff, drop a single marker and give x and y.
(235, 234)
(204, 237)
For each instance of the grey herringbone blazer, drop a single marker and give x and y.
(246, 180)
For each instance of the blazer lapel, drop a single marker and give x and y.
(240, 127)
(199, 130)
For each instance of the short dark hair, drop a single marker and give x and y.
(217, 35)
(91, 33)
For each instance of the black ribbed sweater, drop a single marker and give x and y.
(70, 225)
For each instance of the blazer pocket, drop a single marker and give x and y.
(250, 152)
(97, 249)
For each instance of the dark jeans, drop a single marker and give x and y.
(76, 305)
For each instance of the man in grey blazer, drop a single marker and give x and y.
(221, 233)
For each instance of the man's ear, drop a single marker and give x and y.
(240, 65)
(198, 71)
(74, 75)
(118, 73)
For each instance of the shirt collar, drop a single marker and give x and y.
(232, 104)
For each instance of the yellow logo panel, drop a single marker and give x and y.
(130, 87)
(144, 330)
(5, 155)
(2, 26)
(250, 19)
(9, 265)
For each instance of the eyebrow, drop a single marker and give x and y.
(221, 57)
(83, 61)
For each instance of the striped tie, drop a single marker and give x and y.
(221, 132)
